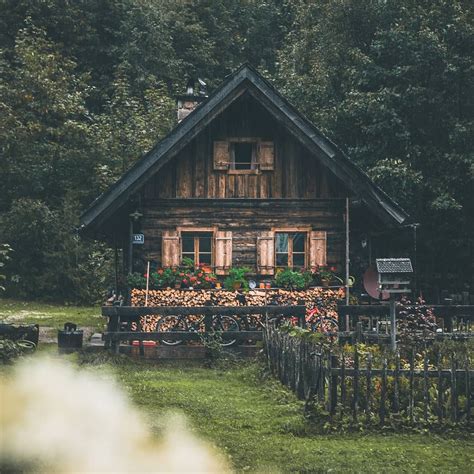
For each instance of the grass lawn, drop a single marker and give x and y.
(260, 426)
(54, 316)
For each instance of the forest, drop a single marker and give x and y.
(87, 87)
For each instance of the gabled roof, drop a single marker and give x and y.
(244, 79)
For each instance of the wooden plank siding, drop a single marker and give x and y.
(297, 174)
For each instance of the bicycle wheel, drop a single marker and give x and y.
(171, 324)
(327, 326)
(225, 323)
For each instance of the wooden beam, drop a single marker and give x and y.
(178, 336)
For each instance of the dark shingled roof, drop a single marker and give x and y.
(244, 79)
(394, 265)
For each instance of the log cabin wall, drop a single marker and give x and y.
(247, 221)
(298, 192)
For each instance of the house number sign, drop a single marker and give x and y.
(138, 239)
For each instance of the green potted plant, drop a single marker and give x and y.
(326, 275)
(236, 278)
(293, 280)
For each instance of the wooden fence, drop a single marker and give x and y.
(455, 318)
(120, 319)
(373, 388)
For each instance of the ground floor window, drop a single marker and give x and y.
(198, 246)
(290, 249)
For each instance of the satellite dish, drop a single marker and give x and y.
(371, 285)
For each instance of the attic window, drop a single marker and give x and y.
(243, 156)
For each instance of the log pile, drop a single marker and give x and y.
(324, 299)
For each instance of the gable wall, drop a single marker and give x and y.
(296, 173)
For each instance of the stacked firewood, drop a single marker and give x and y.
(323, 298)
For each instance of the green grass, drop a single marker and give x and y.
(260, 426)
(26, 312)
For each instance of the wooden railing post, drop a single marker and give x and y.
(333, 363)
(355, 395)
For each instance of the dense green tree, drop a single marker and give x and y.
(87, 87)
(391, 81)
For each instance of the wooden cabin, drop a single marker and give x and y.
(243, 179)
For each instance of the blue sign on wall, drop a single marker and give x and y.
(138, 239)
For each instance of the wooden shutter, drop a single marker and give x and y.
(170, 249)
(221, 155)
(317, 248)
(223, 252)
(266, 253)
(266, 155)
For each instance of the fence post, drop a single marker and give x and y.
(448, 323)
(343, 384)
(383, 394)
(426, 395)
(369, 388)
(411, 395)
(208, 319)
(396, 384)
(355, 397)
(393, 325)
(440, 388)
(454, 394)
(302, 316)
(359, 333)
(333, 362)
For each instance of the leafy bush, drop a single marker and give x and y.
(414, 319)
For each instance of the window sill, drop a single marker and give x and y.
(243, 172)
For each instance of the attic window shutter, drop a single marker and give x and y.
(170, 249)
(266, 155)
(223, 252)
(221, 155)
(317, 248)
(266, 253)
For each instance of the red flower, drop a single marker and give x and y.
(181, 274)
(333, 269)
(199, 274)
(145, 275)
(185, 281)
(160, 271)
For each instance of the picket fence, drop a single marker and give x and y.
(373, 389)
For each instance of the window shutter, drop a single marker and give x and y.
(266, 253)
(317, 248)
(221, 155)
(223, 252)
(266, 155)
(170, 251)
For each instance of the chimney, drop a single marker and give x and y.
(189, 101)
